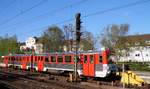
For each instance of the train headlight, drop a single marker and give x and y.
(108, 72)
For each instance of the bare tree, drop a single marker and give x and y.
(69, 31)
(113, 37)
(87, 41)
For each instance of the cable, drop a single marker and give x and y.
(23, 12)
(51, 12)
(116, 8)
(46, 26)
(104, 11)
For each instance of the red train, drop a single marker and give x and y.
(93, 64)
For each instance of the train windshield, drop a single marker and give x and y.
(110, 61)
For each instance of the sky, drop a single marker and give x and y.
(29, 18)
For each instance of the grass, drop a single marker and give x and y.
(136, 66)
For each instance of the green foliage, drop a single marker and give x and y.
(137, 66)
(52, 39)
(8, 45)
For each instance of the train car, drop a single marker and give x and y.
(91, 64)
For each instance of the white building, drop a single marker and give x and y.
(31, 44)
(138, 53)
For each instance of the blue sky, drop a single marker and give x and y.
(32, 24)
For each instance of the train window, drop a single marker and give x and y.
(78, 59)
(60, 59)
(110, 61)
(36, 59)
(41, 59)
(67, 58)
(53, 59)
(91, 59)
(20, 59)
(9, 59)
(15, 59)
(46, 59)
(85, 58)
(100, 59)
(12, 58)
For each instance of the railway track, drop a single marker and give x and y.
(31, 80)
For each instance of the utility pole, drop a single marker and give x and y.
(78, 35)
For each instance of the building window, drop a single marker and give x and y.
(147, 42)
(137, 43)
(137, 55)
(127, 54)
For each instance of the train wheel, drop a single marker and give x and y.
(83, 78)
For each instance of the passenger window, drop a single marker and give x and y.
(9, 59)
(19, 59)
(78, 58)
(42, 58)
(85, 58)
(67, 58)
(60, 59)
(91, 59)
(46, 59)
(100, 59)
(36, 59)
(53, 59)
(39, 59)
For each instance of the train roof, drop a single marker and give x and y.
(59, 53)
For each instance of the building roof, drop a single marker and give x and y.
(142, 39)
(141, 36)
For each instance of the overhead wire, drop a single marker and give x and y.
(50, 12)
(116, 8)
(23, 12)
(100, 12)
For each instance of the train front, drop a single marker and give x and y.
(109, 67)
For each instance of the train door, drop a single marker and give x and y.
(40, 63)
(88, 65)
(91, 65)
(24, 64)
(85, 65)
(6, 61)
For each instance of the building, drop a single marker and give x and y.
(31, 44)
(140, 52)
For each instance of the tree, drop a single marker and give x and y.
(87, 41)
(8, 45)
(69, 31)
(52, 39)
(113, 37)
